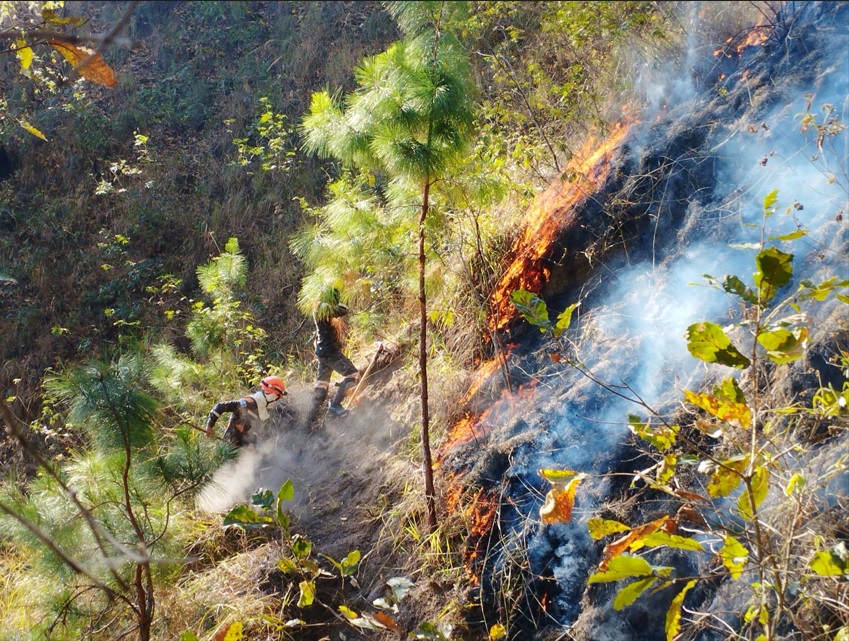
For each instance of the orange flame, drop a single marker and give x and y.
(585, 173)
(758, 35)
(479, 515)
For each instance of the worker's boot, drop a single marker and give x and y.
(335, 408)
(318, 396)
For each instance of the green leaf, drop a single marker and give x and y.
(661, 437)
(784, 345)
(734, 556)
(622, 567)
(799, 233)
(564, 320)
(775, 269)
(796, 482)
(707, 342)
(733, 285)
(301, 547)
(286, 492)
(307, 594)
(349, 563)
(673, 614)
(533, 308)
(834, 562)
(627, 595)
(769, 202)
(760, 488)
(287, 565)
(600, 528)
(188, 635)
(244, 517)
(263, 498)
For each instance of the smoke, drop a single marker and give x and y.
(631, 332)
(313, 459)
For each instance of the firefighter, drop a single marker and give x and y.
(248, 412)
(328, 340)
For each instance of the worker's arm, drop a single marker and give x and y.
(217, 411)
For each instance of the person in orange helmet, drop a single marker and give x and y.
(248, 412)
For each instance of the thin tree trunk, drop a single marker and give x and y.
(430, 495)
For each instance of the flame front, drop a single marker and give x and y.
(584, 175)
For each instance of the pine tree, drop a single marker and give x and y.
(410, 121)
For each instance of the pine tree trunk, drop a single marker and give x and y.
(430, 496)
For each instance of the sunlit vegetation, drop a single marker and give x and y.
(182, 183)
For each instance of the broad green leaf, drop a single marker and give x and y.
(796, 482)
(428, 630)
(24, 54)
(673, 614)
(808, 290)
(627, 595)
(188, 635)
(707, 342)
(775, 269)
(533, 308)
(729, 390)
(307, 594)
(244, 517)
(497, 632)
(301, 547)
(834, 562)
(564, 320)
(622, 567)
(826, 564)
(737, 414)
(35, 132)
(600, 528)
(263, 498)
(760, 487)
(784, 345)
(287, 491)
(733, 285)
(350, 562)
(842, 634)
(727, 476)
(734, 556)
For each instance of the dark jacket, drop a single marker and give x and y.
(327, 340)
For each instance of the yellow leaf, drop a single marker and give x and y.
(24, 54)
(623, 543)
(232, 632)
(559, 502)
(673, 614)
(760, 488)
(35, 132)
(727, 476)
(88, 63)
(600, 528)
(496, 632)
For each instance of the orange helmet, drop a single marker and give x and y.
(273, 385)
